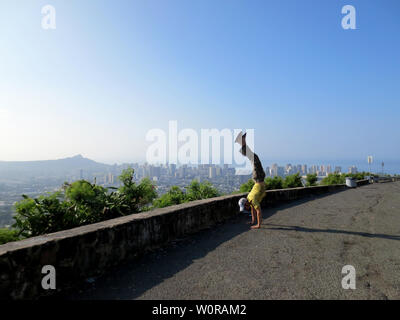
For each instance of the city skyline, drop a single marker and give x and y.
(392, 167)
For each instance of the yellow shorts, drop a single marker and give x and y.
(256, 195)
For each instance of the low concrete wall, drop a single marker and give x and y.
(362, 182)
(386, 179)
(90, 250)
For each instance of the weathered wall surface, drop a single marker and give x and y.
(90, 250)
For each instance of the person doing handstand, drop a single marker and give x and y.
(257, 193)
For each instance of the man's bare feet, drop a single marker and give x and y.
(255, 227)
(239, 138)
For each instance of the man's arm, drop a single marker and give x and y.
(253, 212)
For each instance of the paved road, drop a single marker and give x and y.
(297, 254)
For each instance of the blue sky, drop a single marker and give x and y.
(112, 70)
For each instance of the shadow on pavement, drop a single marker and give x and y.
(305, 229)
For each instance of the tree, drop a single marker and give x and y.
(246, 187)
(174, 196)
(81, 203)
(134, 197)
(358, 175)
(292, 181)
(86, 202)
(44, 214)
(273, 183)
(311, 179)
(195, 191)
(334, 178)
(8, 235)
(270, 184)
(198, 191)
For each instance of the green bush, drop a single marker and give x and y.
(198, 191)
(311, 179)
(334, 178)
(273, 183)
(8, 235)
(337, 178)
(358, 175)
(174, 196)
(135, 196)
(195, 191)
(81, 203)
(292, 181)
(246, 187)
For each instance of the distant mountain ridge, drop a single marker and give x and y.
(22, 170)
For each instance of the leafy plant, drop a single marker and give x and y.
(133, 197)
(334, 178)
(358, 175)
(195, 191)
(273, 183)
(81, 203)
(246, 187)
(292, 181)
(8, 235)
(174, 196)
(198, 191)
(311, 179)
(41, 215)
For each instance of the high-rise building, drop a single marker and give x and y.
(172, 169)
(328, 169)
(182, 172)
(353, 169)
(288, 169)
(212, 172)
(154, 171)
(110, 178)
(314, 169)
(274, 170)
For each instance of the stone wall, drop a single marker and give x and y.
(362, 182)
(90, 250)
